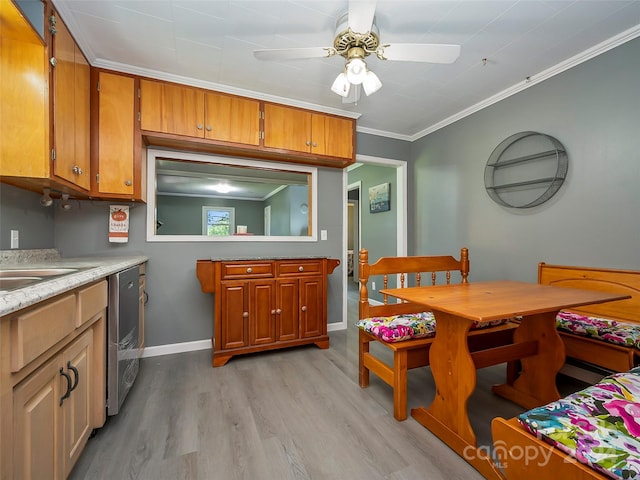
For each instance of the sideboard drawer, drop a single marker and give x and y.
(236, 270)
(299, 267)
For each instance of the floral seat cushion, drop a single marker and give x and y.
(598, 426)
(620, 333)
(397, 328)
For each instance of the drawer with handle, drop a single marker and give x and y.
(235, 270)
(298, 267)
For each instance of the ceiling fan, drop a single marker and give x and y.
(357, 37)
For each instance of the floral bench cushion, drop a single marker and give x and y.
(626, 334)
(397, 328)
(598, 426)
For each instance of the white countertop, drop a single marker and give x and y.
(91, 269)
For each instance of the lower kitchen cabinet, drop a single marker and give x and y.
(52, 383)
(266, 304)
(51, 410)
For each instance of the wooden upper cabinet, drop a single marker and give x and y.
(24, 108)
(287, 128)
(332, 136)
(169, 108)
(181, 110)
(117, 156)
(292, 128)
(71, 91)
(229, 118)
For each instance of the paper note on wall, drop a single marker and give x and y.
(118, 223)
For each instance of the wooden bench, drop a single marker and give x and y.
(511, 440)
(414, 353)
(611, 356)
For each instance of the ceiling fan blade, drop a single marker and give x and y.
(294, 53)
(420, 52)
(361, 13)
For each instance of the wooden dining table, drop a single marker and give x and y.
(536, 345)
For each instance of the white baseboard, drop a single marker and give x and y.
(332, 327)
(176, 348)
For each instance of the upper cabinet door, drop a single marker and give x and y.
(287, 128)
(116, 146)
(232, 119)
(24, 107)
(332, 136)
(70, 109)
(169, 108)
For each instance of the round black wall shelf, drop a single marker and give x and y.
(525, 170)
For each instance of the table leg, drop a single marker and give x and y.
(455, 377)
(536, 384)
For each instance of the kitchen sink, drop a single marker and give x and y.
(13, 278)
(35, 272)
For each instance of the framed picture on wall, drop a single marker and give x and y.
(379, 200)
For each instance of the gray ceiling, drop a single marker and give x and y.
(211, 44)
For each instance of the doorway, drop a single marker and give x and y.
(398, 198)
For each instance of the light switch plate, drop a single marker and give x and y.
(323, 234)
(15, 239)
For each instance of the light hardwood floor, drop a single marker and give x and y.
(291, 414)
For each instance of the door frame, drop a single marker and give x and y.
(399, 199)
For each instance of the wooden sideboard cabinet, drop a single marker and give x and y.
(266, 304)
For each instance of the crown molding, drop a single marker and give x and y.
(532, 80)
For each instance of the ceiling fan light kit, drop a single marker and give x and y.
(357, 37)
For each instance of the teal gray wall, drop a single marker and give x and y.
(21, 210)
(593, 109)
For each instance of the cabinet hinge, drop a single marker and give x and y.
(53, 154)
(97, 178)
(98, 86)
(261, 135)
(52, 25)
(139, 95)
(261, 115)
(139, 117)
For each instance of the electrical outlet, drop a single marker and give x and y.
(15, 238)
(373, 285)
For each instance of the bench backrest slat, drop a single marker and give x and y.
(626, 282)
(410, 271)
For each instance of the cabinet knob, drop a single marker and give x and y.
(273, 312)
(53, 61)
(249, 270)
(208, 128)
(199, 126)
(128, 183)
(304, 308)
(308, 143)
(278, 311)
(301, 268)
(315, 144)
(245, 314)
(76, 170)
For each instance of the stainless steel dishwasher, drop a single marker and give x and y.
(123, 352)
